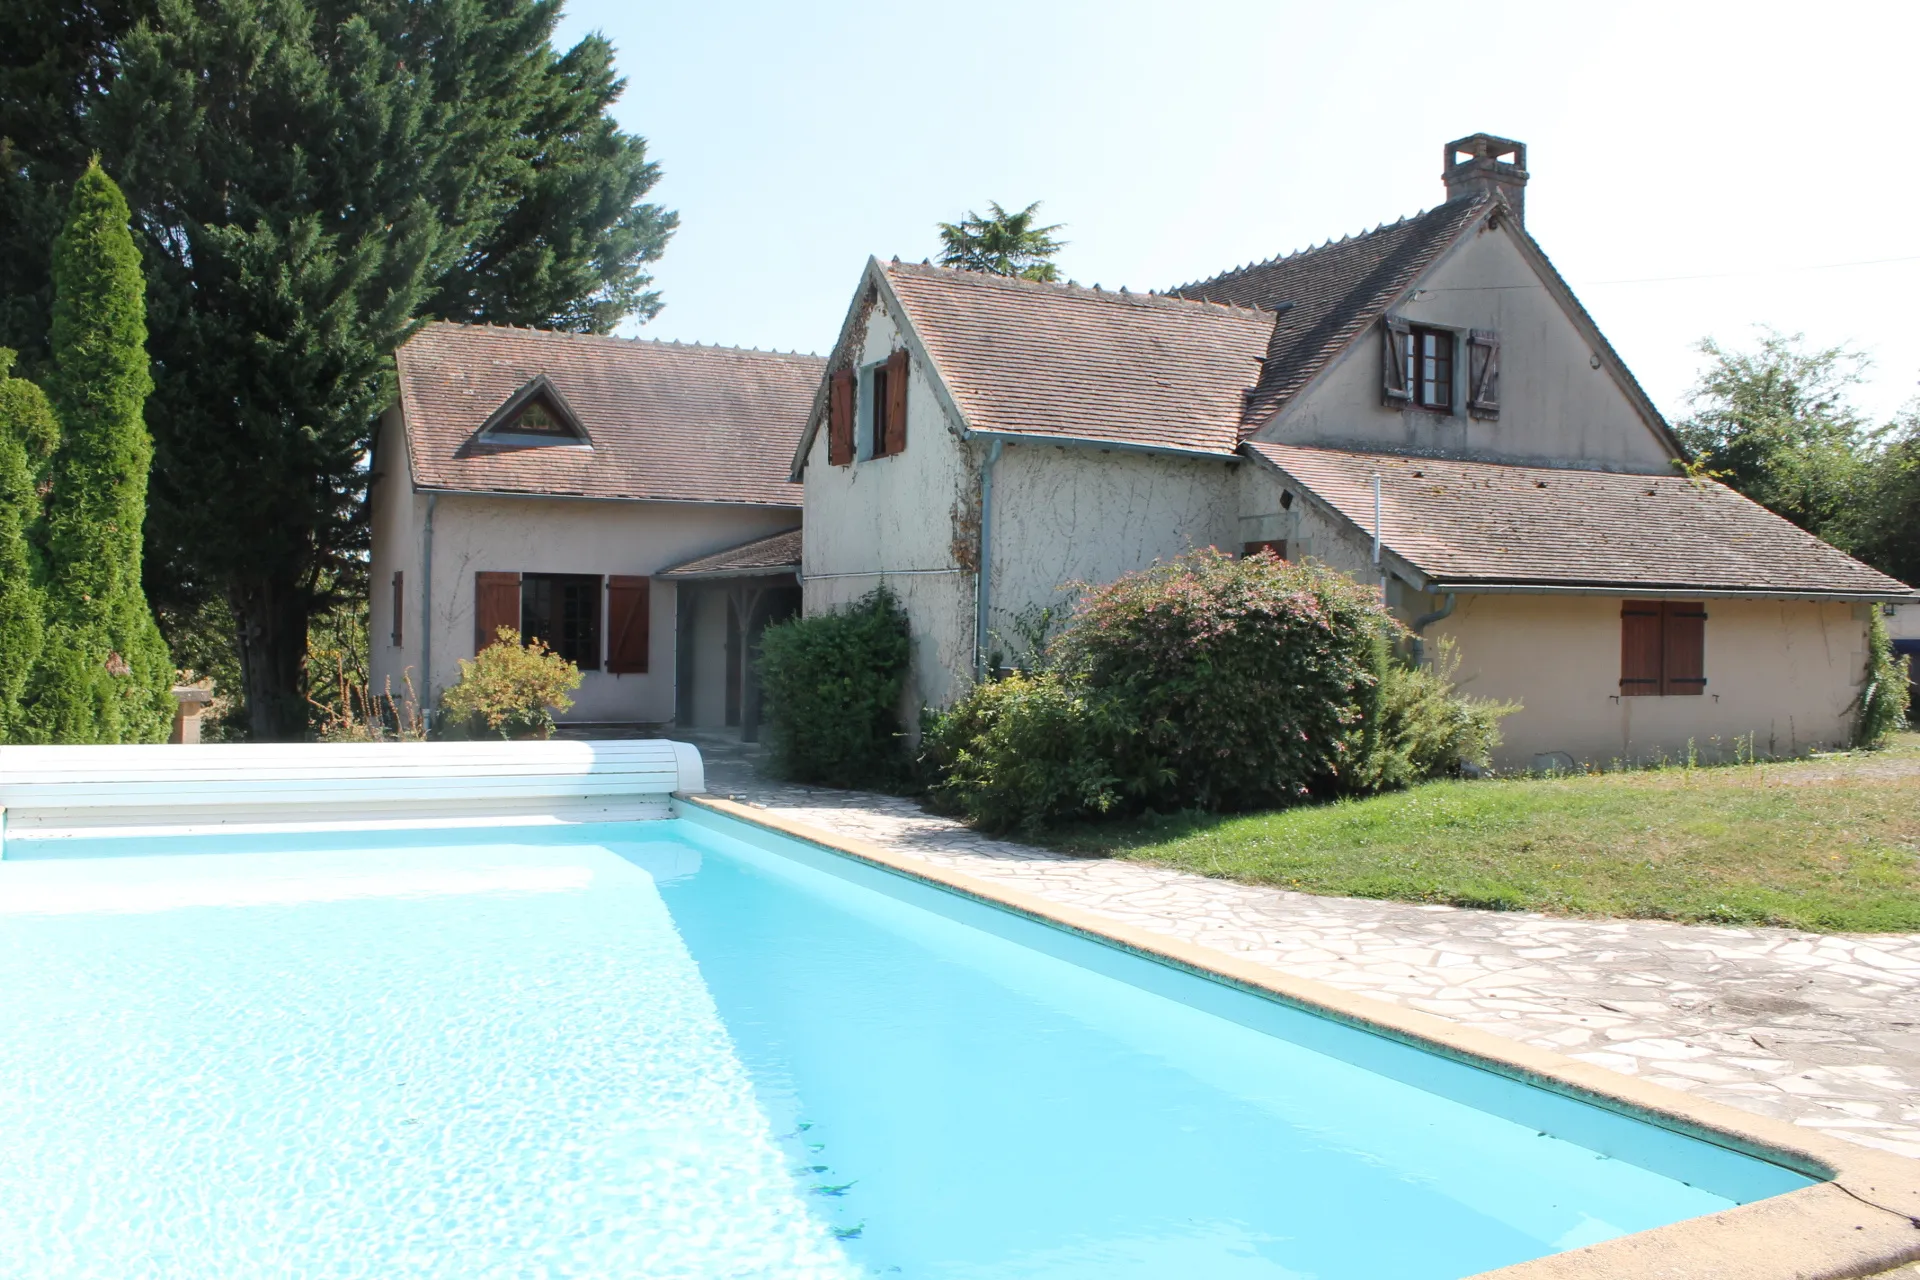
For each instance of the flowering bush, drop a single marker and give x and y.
(509, 689)
(1210, 683)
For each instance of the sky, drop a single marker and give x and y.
(1699, 169)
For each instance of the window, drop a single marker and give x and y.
(1276, 545)
(883, 406)
(399, 605)
(1663, 647)
(538, 420)
(1429, 368)
(563, 610)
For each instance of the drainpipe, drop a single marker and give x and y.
(426, 615)
(1378, 573)
(982, 590)
(1426, 620)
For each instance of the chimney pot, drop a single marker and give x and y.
(1483, 162)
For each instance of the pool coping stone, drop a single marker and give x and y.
(1863, 1219)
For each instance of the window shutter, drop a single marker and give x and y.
(1483, 373)
(399, 607)
(496, 604)
(1640, 647)
(840, 418)
(1276, 545)
(895, 438)
(1685, 670)
(629, 602)
(1396, 337)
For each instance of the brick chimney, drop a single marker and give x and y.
(1486, 163)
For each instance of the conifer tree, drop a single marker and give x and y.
(27, 439)
(313, 178)
(105, 675)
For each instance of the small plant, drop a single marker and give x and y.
(1883, 698)
(509, 690)
(832, 683)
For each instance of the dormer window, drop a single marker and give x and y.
(536, 414)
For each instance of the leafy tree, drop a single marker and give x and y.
(312, 179)
(1005, 244)
(104, 675)
(1886, 522)
(27, 439)
(1776, 425)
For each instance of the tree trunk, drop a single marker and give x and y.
(272, 622)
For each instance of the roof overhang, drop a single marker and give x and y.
(1662, 591)
(1096, 442)
(720, 575)
(552, 496)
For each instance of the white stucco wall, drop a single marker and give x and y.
(1785, 672)
(1555, 405)
(475, 534)
(1905, 622)
(905, 521)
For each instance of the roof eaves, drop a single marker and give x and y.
(1601, 587)
(1230, 454)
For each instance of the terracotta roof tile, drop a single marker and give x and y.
(776, 554)
(1063, 361)
(669, 422)
(1462, 522)
(1328, 295)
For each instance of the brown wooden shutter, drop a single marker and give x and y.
(496, 604)
(896, 433)
(1396, 338)
(629, 604)
(840, 418)
(1483, 373)
(1685, 667)
(1640, 647)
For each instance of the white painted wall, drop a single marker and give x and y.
(1555, 406)
(1905, 622)
(1065, 515)
(905, 521)
(1786, 672)
(475, 534)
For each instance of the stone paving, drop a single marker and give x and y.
(1820, 1030)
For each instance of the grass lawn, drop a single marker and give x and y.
(1831, 844)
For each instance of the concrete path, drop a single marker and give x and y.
(1820, 1030)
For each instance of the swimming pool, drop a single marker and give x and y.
(683, 1048)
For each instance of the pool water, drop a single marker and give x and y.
(694, 1048)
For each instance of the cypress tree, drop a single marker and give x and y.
(27, 439)
(105, 674)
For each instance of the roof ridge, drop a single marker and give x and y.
(1233, 273)
(1075, 288)
(612, 337)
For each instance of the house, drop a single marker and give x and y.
(1426, 405)
(627, 502)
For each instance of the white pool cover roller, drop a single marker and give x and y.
(80, 791)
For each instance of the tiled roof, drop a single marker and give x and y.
(1465, 522)
(1329, 295)
(668, 422)
(778, 554)
(1063, 361)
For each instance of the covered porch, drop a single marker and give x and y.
(724, 602)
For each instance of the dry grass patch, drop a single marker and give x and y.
(1831, 844)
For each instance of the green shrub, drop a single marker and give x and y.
(508, 690)
(27, 438)
(1205, 683)
(1419, 727)
(1019, 751)
(832, 685)
(1227, 684)
(1883, 698)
